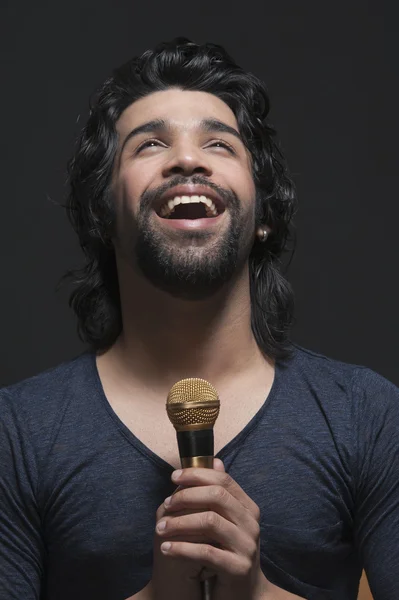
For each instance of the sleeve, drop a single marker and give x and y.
(21, 546)
(376, 430)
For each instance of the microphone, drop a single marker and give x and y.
(193, 406)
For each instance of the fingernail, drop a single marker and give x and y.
(166, 546)
(161, 526)
(167, 501)
(176, 475)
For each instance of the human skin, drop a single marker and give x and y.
(159, 330)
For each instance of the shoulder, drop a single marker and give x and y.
(37, 399)
(358, 384)
(319, 364)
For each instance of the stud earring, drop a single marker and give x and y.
(262, 234)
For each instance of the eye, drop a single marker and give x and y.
(148, 144)
(223, 144)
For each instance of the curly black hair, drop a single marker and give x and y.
(188, 66)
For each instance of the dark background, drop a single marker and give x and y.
(332, 76)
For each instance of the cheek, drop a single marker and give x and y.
(126, 208)
(246, 191)
(241, 180)
(127, 193)
(247, 194)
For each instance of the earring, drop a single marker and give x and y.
(262, 234)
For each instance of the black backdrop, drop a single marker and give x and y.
(331, 72)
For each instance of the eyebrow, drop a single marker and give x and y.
(209, 125)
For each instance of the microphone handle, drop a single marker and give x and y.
(206, 589)
(194, 445)
(196, 449)
(205, 462)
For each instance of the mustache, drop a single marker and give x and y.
(149, 197)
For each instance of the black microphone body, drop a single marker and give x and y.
(196, 448)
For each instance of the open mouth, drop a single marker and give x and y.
(190, 207)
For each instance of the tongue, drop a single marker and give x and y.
(195, 210)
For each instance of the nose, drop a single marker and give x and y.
(187, 159)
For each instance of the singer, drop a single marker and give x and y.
(182, 203)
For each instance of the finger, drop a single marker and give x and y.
(196, 476)
(161, 511)
(215, 559)
(212, 527)
(212, 498)
(218, 465)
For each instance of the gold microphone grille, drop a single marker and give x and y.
(205, 404)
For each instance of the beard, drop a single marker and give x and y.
(182, 262)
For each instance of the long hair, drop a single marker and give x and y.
(188, 66)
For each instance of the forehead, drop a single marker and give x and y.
(183, 109)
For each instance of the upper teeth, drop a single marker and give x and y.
(169, 207)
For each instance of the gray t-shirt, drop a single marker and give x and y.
(79, 492)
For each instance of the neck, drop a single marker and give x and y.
(174, 338)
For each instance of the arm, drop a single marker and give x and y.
(21, 546)
(376, 401)
(224, 521)
(238, 575)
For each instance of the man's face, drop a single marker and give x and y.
(183, 191)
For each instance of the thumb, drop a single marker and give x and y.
(218, 465)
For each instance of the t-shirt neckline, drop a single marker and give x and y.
(238, 439)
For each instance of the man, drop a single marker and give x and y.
(182, 204)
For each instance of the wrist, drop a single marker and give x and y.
(262, 589)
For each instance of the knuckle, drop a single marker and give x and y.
(250, 552)
(210, 520)
(253, 550)
(226, 480)
(207, 552)
(219, 493)
(175, 523)
(195, 473)
(183, 497)
(256, 532)
(245, 567)
(257, 513)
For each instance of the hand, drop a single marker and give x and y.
(174, 576)
(211, 523)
